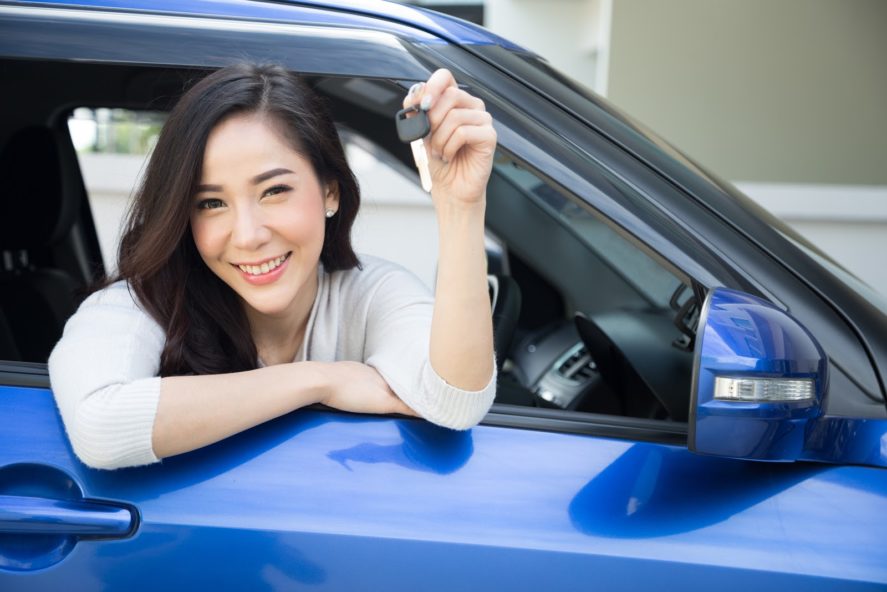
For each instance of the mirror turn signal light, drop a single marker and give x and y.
(764, 390)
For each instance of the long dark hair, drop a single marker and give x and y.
(207, 331)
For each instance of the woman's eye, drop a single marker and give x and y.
(210, 203)
(275, 190)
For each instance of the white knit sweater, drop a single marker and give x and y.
(104, 370)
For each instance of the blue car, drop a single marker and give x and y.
(691, 396)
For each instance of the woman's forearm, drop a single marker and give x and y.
(462, 328)
(195, 411)
(461, 147)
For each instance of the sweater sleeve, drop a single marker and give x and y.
(397, 345)
(104, 375)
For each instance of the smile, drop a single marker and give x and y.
(264, 267)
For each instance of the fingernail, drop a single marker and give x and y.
(414, 89)
(426, 103)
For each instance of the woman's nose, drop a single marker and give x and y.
(250, 230)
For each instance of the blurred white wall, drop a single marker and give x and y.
(786, 99)
(574, 35)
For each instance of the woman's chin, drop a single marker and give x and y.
(287, 294)
(280, 301)
(269, 307)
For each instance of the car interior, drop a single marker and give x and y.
(586, 319)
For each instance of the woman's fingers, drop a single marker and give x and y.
(473, 136)
(439, 82)
(460, 127)
(462, 138)
(450, 109)
(451, 98)
(438, 95)
(414, 95)
(430, 90)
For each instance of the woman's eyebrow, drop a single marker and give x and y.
(269, 174)
(260, 178)
(209, 188)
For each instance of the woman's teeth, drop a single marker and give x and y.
(264, 267)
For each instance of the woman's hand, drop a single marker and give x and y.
(460, 146)
(358, 388)
(461, 143)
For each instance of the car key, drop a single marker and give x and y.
(412, 129)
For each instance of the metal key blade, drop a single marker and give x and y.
(413, 125)
(421, 159)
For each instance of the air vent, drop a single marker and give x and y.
(577, 365)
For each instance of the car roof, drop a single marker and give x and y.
(445, 27)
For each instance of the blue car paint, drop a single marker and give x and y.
(747, 336)
(351, 502)
(847, 440)
(425, 25)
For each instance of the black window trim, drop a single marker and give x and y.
(27, 374)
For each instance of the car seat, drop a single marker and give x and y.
(38, 207)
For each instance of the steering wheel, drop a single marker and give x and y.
(505, 300)
(638, 397)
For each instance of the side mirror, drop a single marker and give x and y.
(758, 378)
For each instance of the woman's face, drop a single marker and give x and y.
(259, 214)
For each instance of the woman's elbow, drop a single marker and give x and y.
(93, 450)
(465, 414)
(90, 448)
(460, 424)
(103, 441)
(95, 458)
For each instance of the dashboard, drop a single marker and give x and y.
(629, 362)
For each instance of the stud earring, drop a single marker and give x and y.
(330, 213)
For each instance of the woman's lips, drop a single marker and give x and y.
(275, 268)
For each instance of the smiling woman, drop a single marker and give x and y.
(263, 234)
(239, 297)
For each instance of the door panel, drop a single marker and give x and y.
(349, 502)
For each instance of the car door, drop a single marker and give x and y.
(534, 497)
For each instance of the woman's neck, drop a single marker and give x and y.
(279, 337)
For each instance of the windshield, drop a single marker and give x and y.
(643, 273)
(577, 98)
(848, 279)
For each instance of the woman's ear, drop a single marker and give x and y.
(331, 199)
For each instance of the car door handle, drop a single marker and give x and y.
(40, 515)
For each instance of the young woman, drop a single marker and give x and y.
(239, 298)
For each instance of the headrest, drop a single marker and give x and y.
(35, 209)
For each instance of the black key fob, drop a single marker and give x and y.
(412, 128)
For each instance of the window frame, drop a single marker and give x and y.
(107, 29)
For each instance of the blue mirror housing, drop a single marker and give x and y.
(758, 378)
